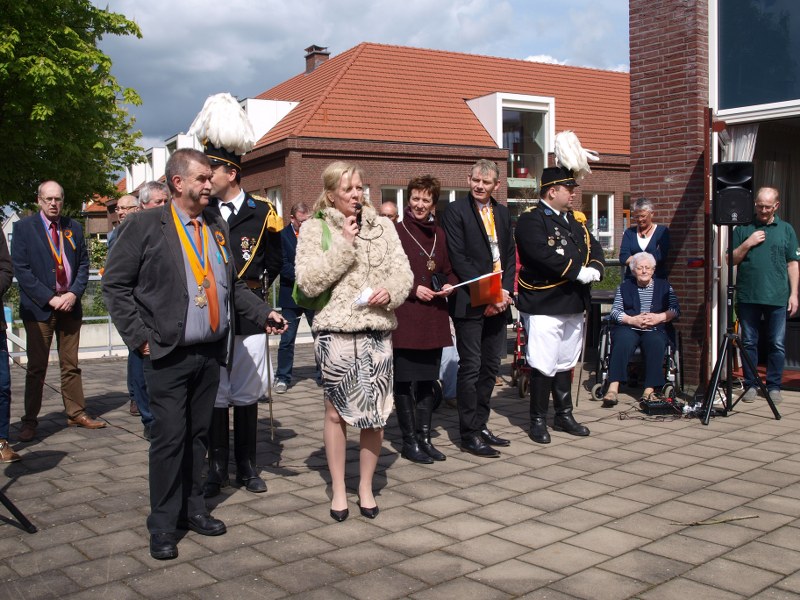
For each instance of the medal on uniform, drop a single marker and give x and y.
(563, 242)
(200, 299)
(551, 242)
(206, 283)
(560, 251)
(431, 264)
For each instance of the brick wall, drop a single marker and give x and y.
(669, 96)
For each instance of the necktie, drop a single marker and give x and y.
(211, 291)
(61, 274)
(231, 210)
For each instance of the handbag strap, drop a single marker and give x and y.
(326, 232)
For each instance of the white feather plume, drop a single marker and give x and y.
(223, 123)
(573, 156)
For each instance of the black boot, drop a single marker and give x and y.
(218, 450)
(540, 399)
(562, 402)
(245, 426)
(424, 413)
(404, 406)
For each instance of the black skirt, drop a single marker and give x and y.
(417, 365)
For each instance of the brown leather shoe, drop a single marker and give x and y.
(7, 455)
(86, 421)
(27, 433)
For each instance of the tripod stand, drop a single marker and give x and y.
(729, 341)
(17, 514)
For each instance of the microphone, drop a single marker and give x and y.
(358, 215)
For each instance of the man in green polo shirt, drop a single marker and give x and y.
(766, 253)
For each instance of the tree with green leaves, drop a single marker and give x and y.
(62, 113)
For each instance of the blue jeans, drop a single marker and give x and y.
(137, 387)
(286, 347)
(749, 322)
(5, 386)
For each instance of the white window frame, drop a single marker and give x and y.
(596, 219)
(273, 194)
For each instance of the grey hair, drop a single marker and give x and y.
(485, 167)
(640, 257)
(642, 204)
(44, 183)
(149, 188)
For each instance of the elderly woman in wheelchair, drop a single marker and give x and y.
(643, 308)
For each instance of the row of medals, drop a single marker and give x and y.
(201, 299)
(559, 240)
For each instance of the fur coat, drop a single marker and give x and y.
(375, 260)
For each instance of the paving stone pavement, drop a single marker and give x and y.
(599, 517)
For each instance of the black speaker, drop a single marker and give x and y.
(733, 193)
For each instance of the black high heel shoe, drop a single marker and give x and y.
(370, 513)
(340, 515)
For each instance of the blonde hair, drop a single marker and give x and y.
(331, 177)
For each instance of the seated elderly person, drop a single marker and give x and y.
(642, 308)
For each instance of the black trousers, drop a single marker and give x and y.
(182, 387)
(480, 344)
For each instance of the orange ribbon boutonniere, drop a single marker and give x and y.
(220, 239)
(68, 235)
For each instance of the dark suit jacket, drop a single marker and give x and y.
(470, 253)
(289, 251)
(6, 276)
(144, 284)
(35, 267)
(658, 246)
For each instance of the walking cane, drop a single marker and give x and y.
(583, 351)
(265, 294)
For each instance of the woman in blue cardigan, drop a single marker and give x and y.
(642, 308)
(645, 236)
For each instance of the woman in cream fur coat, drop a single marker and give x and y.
(368, 274)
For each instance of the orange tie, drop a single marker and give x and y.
(211, 292)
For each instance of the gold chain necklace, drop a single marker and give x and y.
(430, 264)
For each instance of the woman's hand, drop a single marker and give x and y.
(425, 294)
(380, 297)
(446, 290)
(350, 229)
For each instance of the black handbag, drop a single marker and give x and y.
(438, 281)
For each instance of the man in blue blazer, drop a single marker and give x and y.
(289, 309)
(52, 266)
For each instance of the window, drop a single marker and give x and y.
(395, 194)
(599, 210)
(759, 42)
(446, 196)
(274, 196)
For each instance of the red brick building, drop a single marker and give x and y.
(401, 112)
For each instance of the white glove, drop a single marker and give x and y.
(588, 275)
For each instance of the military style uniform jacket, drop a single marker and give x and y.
(255, 244)
(552, 251)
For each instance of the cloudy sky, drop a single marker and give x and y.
(191, 49)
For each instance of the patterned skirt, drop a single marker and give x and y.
(357, 375)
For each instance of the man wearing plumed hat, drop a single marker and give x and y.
(254, 225)
(560, 259)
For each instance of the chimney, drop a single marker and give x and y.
(315, 56)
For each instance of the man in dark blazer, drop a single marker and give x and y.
(479, 241)
(52, 266)
(289, 309)
(172, 298)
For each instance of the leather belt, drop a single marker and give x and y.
(253, 284)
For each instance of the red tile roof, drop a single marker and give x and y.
(402, 94)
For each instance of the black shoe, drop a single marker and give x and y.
(568, 424)
(205, 525)
(147, 433)
(252, 484)
(413, 452)
(340, 515)
(163, 546)
(370, 513)
(492, 439)
(539, 433)
(475, 445)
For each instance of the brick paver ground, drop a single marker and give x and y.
(597, 517)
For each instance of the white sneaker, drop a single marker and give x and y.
(749, 395)
(280, 387)
(776, 396)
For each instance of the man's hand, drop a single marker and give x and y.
(756, 238)
(792, 306)
(275, 317)
(588, 274)
(64, 302)
(145, 349)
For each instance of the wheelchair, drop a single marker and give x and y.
(673, 371)
(520, 370)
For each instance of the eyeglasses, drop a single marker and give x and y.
(126, 208)
(645, 268)
(51, 200)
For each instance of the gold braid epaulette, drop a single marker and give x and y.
(268, 224)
